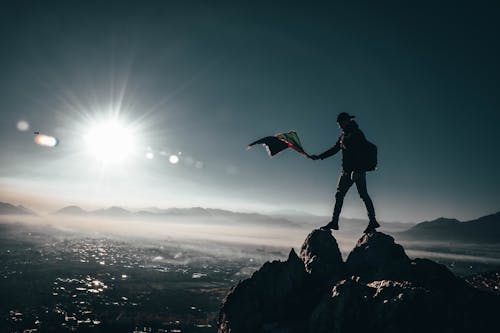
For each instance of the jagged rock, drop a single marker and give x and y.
(331, 314)
(321, 255)
(380, 306)
(270, 298)
(434, 276)
(377, 257)
(387, 292)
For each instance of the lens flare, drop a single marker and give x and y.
(46, 140)
(23, 125)
(174, 159)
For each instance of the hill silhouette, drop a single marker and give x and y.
(9, 209)
(485, 229)
(71, 210)
(377, 289)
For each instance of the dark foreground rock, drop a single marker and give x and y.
(270, 298)
(377, 289)
(321, 256)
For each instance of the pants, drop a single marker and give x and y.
(346, 180)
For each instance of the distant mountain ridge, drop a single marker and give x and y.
(485, 229)
(112, 211)
(197, 212)
(9, 209)
(173, 211)
(71, 210)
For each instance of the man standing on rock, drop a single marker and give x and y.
(352, 142)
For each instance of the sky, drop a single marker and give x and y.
(190, 84)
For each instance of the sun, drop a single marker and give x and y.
(110, 141)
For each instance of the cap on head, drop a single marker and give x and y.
(344, 116)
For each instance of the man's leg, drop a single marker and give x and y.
(360, 180)
(343, 186)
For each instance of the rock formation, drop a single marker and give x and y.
(321, 256)
(377, 289)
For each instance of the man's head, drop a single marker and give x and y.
(343, 119)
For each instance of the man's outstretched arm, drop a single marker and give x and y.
(330, 152)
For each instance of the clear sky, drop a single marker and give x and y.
(198, 81)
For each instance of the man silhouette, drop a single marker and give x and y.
(351, 142)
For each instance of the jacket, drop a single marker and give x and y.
(351, 142)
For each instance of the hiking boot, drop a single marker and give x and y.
(371, 226)
(331, 225)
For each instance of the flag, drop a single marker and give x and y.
(279, 142)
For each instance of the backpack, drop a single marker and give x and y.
(369, 157)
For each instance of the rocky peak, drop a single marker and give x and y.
(270, 295)
(321, 256)
(377, 289)
(376, 256)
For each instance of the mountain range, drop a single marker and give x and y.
(192, 212)
(485, 229)
(284, 218)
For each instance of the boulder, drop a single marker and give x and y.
(379, 306)
(377, 257)
(321, 255)
(434, 276)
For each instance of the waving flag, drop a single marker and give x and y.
(279, 142)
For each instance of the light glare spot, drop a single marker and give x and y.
(23, 125)
(45, 140)
(150, 155)
(174, 159)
